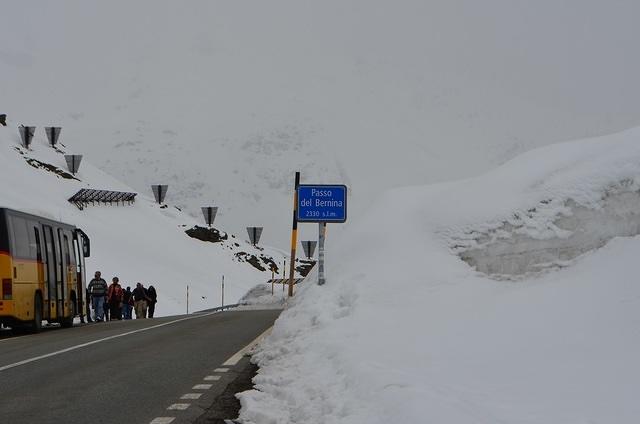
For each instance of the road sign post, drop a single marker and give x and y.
(321, 203)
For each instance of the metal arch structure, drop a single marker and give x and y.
(87, 196)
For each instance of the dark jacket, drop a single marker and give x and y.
(97, 287)
(151, 292)
(140, 293)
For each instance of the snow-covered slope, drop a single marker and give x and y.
(223, 101)
(142, 242)
(406, 331)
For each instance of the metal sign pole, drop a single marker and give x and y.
(322, 228)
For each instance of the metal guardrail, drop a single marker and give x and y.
(219, 308)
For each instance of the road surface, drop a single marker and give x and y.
(156, 371)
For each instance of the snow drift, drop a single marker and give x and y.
(406, 331)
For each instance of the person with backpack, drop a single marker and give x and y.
(153, 299)
(114, 297)
(98, 290)
(140, 299)
(127, 303)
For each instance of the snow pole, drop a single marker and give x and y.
(294, 234)
(321, 236)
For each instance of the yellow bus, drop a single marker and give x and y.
(42, 270)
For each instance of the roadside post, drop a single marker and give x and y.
(223, 290)
(187, 299)
(321, 203)
(294, 234)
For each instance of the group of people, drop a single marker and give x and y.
(112, 302)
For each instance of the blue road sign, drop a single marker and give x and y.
(322, 203)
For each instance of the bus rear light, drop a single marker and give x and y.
(7, 289)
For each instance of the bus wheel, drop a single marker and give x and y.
(36, 325)
(68, 321)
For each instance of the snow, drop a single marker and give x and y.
(138, 243)
(405, 331)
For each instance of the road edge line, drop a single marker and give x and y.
(236, 357)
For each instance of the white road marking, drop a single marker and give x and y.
(221, 370)
(238, 355)
(212, 378)
(162, 420)
(202, 387)
(191, 396)
(178, 407)
(69, 349)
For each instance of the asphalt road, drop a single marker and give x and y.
(128, 378)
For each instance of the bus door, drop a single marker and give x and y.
(50, 267)
(78, 253)
(64, 260)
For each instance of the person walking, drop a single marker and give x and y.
(114, 296)
(140, 299)
(127, 303)
(88, 304)
(98, 290)
(153, 299)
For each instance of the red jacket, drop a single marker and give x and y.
(114, 294)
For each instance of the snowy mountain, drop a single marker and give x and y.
(143, 242)
(223, 101)
(511, 297)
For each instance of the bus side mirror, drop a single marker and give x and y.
(84, 242)
(86, 247)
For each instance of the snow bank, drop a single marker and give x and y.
(405, 331)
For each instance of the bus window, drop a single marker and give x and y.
(20, 238)
(33, 244)
(65, 250)
(38, 247)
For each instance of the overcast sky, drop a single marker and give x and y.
(429, 90)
